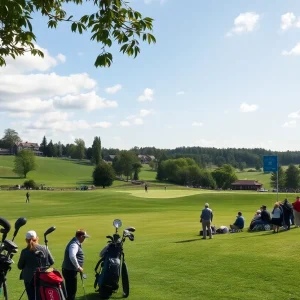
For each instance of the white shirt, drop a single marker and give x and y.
(73, 249)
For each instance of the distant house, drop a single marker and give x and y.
(145, 159)
(109, 158)
(4, 151)
(34, 147)
(246, 185)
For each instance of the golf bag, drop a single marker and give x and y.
(49, 285)
(112, 265)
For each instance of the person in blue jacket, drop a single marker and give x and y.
(239, 222)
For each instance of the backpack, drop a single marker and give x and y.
(222, 229)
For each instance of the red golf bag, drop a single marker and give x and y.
(49, 285)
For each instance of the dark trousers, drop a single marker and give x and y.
(287, 220)
(29, 286)
(70, 277)
(27, 199)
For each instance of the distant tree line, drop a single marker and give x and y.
(240, 158)
(185, 171)
(288, 179)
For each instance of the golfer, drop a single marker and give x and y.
(73, 262)
(28, 262)
(27, 197)
(206, 218)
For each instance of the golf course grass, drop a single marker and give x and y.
(168, 259)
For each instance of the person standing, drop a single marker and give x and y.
(28, 261)
(27, 197)
(146, 188)
(277, 217)
(287, 213)
(73, 262)
(206, 220)
(296, 211)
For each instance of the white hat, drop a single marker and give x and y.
(206, 205)
(258, 211)
(31, 234)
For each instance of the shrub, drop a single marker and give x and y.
(30, 184)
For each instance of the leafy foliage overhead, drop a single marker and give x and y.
(113, 21)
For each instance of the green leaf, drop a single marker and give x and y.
(74, 27)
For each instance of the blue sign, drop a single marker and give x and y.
(270, 163)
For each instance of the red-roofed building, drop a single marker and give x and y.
(246, 185)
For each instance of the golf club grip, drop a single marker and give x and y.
(5, 224)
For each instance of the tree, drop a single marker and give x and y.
(24, 162)
(292, 177)
(137, 169)
(59, 149)
(11, 137)
(96, 149)
(30, 184)
(103, 175)
(114, 21)
(281, 179)
(51, 149)
(80, 148)
(224, 176)
(127, 160)
(43, 146)
(242, 166)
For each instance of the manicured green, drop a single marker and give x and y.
(168, 260)
(56, 172)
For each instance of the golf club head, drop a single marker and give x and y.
(49, 230)
(131, 229)
(6, 228)
(18, 224)
(109, 237)
(126, 233)
(131, 237)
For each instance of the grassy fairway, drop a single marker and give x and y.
(168, 260)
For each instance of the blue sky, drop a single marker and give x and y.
(222, 74)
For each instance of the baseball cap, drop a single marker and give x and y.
(258, 211)
(206, 205)
(81, 232)
(31, 234)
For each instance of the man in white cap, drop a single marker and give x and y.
(206, 219)
(73, 262)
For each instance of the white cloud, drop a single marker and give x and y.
(28, 62)
(138, 121)
(89, 101)
(43, 85)
(101, 125)
(180, 93)
(245, 22)
(145, 112)
(289, 20)
(113, 89)
(54, 116)
(226, 111)
(294, 115)
(295, 51)
(117, 138)
(61, 58)
(20, 115)
(26, 105)
(290, 124)
(124, 123)
(197, 124)
(146, 96)
(244, 107)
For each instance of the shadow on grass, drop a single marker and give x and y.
(83, 163)
(188, 241)
(11, 177)
(95, 296)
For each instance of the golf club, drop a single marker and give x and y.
(18, 224)
(131, 229)
(6, 228)
(83, 276)
(48, 231)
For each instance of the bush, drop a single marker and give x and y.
(30, 184)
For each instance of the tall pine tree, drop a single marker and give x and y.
(292, 177)
(43, 146)
(96, 151)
